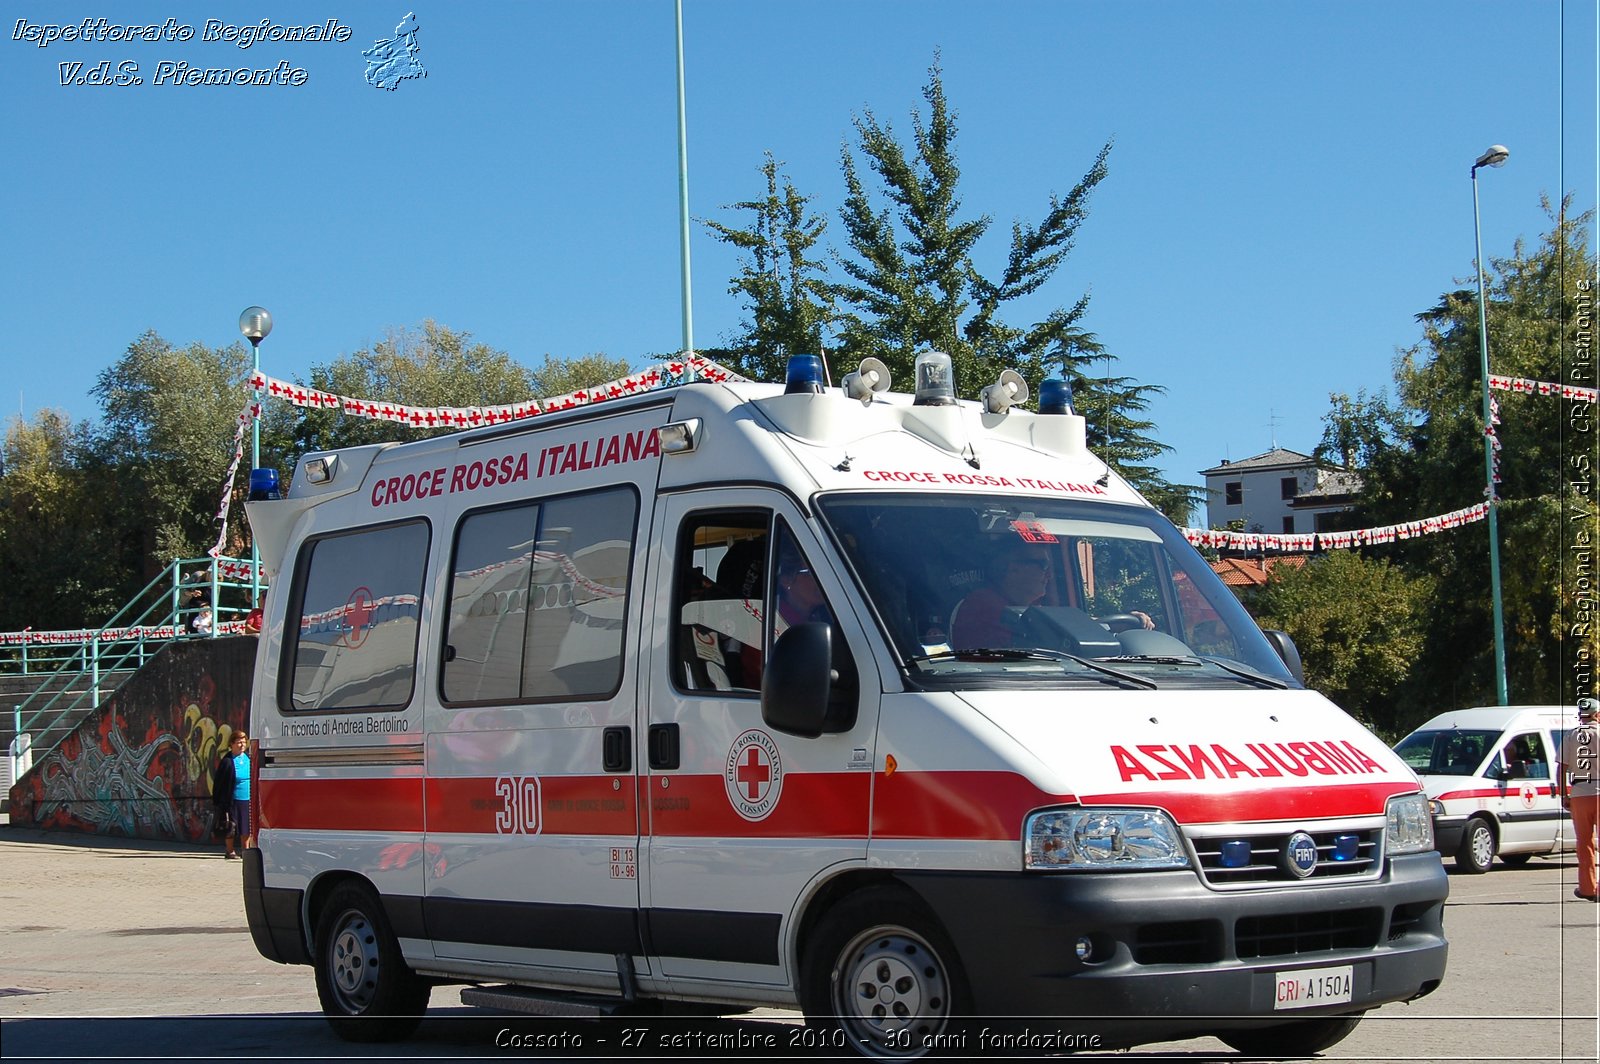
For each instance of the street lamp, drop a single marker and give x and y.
(1495, 156)
(255, 323)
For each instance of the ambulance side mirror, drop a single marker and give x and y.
(794, 685)
(1286, 650)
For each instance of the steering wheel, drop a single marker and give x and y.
(1121, 622)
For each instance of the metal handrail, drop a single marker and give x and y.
(126, 641)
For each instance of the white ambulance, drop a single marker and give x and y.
(899, 709)
(1490, 772)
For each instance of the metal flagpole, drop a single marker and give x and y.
(683, 192)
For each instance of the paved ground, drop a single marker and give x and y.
(114, 949)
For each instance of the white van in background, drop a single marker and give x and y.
(1491, 775)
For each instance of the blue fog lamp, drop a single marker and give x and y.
(1055, 396)
(803, 375)
(264, 485)
(1235, 854)
(936, 380)
(1346, 847)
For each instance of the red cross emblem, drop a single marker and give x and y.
(358, 617)
(754, 773)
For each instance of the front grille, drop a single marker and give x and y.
(1265, 863)
(1297, 933)
(1179, 942)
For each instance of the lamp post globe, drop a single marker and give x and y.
(1495, 156)
(255, 323)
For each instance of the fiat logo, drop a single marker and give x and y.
(1300, 855)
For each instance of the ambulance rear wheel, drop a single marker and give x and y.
(1476, 852)
(882, 978)
(367, 992)
(1298, 1039)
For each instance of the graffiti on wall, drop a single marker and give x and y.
(141, 764)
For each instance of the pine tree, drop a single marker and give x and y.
(785, 290)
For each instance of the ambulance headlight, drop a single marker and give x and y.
(1102, 840)
(1410, 827)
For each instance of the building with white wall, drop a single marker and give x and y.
(1281, 491)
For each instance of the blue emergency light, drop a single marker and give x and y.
(1055, 396)
(1346, 847)
(803, 375)
(1235, 854)
(264, 485)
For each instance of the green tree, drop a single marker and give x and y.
(430, 366)
(58, 564)
(167, 428)
(1359, 626)
(914, 282)
(557, 377)
(1423, 454)
(784, 287)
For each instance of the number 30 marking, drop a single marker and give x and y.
(519, 805)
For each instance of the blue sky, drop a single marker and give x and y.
(1288, 187)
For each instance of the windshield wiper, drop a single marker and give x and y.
(1241, 671)
(1016, 654)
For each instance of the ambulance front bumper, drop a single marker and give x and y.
(1447, 832)
(1162, 946)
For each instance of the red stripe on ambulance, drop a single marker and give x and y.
(1265, 803)
(342, 805)
(956, 805)
(830, 805)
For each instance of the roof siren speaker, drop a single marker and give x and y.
(870, 378)
(1005, 393)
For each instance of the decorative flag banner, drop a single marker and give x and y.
(1523, 386)
(668, 374)
(1311, 541)
(238, 571)
(1494, 449)
(251, 411)
(29, 637)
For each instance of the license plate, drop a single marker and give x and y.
(1316, 986)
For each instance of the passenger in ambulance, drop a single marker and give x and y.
(1520, 761)
(800, 597)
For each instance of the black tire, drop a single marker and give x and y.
(1298, 1039)
(881, 976)
(1476, 853)
(367, 992)
(1515, 860)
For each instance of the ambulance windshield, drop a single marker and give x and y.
(978, 589)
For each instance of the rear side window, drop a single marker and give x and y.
(358, 602)
(538, 600)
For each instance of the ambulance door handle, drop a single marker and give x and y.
(663, 743)
(615, 746)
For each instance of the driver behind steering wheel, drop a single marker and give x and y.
(1018, 576)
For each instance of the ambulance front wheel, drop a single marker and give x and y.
(367, 992)
(881, 976)
(1476, 852)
